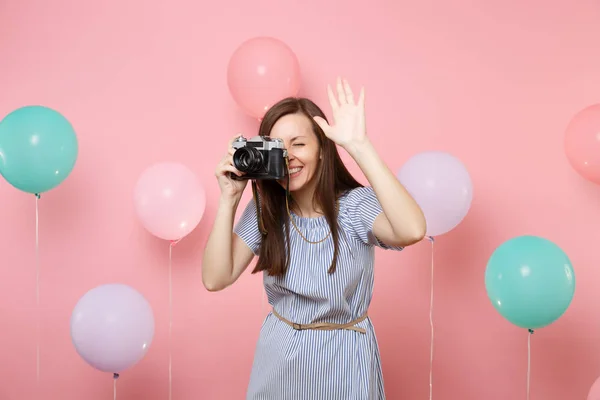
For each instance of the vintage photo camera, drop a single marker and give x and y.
(260, 157)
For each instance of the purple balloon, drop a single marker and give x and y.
(112, 327)
(442, 187)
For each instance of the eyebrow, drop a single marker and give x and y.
(296, 138)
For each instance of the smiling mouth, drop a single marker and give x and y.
(295, 171)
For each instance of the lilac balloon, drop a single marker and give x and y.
(112, 327)
(442, 187)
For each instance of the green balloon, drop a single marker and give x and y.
(530, 281)
(38, 148)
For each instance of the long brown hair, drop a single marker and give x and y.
(333, 179)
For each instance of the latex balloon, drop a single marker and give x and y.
(582, 143)
(112, 327)
(442, 187)
(262, 71)
(38, 149)
(594, 393)
(530, 281)
(169, 200)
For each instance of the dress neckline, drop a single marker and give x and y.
(309, 222)
(313, 222)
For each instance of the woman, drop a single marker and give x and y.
(316, 250)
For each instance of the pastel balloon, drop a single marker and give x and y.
(169, 200)
(112, 327)
(442, 187)
(594, 393)
(262, 71)
(38, 149)
(530, 281)
(582, 143)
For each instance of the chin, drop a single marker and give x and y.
(295, 187)
(294, 184)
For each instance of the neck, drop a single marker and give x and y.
(304, 204)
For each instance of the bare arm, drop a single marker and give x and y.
(226, 256)
(402, 222)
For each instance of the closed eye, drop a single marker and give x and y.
(298, 144)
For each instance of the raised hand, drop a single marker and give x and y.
(348, 126)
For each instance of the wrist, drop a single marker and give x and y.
(229, 201)
(359, 147)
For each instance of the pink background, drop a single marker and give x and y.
(493, 82)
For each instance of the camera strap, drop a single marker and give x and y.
(261, 225)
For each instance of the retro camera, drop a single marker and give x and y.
(260, 157)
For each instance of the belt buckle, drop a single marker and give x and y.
(296, 326)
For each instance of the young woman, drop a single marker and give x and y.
(316, 251)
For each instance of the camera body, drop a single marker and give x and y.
(259, 157)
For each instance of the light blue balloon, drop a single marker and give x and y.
(38, 148)
(530, 281)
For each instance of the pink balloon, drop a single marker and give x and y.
(261, 72)
(441, 186)
(594, 393)
(582, 143)
(169, 200)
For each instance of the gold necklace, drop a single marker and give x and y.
(287, 206)
(298, 230)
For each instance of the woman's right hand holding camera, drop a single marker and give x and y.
(230, 188)
(218, 270)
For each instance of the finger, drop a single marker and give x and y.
(225, 168)
(349, 94)
(226, 160)
(322, 124)
(230, 143)
(332, 99)
(232, 169)
(361, 97)
(340, 91)
(229, 159)
(231, 150)
(229, 163)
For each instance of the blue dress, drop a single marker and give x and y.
(294, 364)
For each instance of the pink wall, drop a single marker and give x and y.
(493, 82)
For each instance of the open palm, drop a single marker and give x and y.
(349, 116)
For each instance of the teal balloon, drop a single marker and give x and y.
(38, 149)
(530, 281)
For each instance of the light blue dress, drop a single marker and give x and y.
(320, 365)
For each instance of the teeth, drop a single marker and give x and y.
(294, 170)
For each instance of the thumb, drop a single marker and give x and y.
(322, 124)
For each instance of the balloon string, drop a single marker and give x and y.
(529, 361)
(37, 286)
(115, 377)
(431, 239)
(171, 245)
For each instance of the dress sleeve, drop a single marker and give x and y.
(247, 227)
(362, 207)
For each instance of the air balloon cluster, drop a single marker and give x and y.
(112, 326)
(529, 280)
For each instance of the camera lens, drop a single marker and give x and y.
(247, 159)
